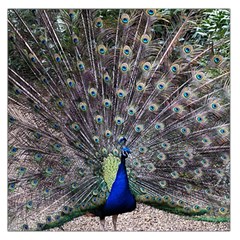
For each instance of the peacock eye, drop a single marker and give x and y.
(93, 92)
(214, 106)
(101, 50)
(152, 107)
(75, 39)
(99, 119)
(32, 58)
(151, 12)
(107, 103)
(99, 24)
(25, 227)
(11, 119)
(160, 86)
(138, 128)
(186, 94)
(81, 66)
(125, 20)
(124, 68)
(11, 186)
(75, 126)
(57, 58)
(199, 76)
(147, 66)
(61, 179)
(96, 139)
(176, 109)
(174, 69)
(183, 130)
(71, 83)
(216, 60)
(108, 133)
(60, 103)
(142, 149)
(18, 91)
(118, 120)
(14, 149)
(38, 156)
(222, 131)
(82, 106)
(121, 93)
(57, 146)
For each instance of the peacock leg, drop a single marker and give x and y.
(114, 220)
(102, 222)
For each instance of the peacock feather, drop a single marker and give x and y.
(109, 108)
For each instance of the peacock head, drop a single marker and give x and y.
(125, 151)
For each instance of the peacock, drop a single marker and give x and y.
(111, 108)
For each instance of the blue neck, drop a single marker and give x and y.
(120, 199)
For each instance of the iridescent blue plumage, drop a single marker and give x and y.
(120, 199)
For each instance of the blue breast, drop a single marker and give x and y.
(120, 199)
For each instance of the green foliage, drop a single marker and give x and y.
(214, 26)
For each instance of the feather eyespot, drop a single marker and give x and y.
(146, 66)
(107, 103)
(81, 66)
(131, 111)
(125, 19)
(121, 93)
(99, 119)
(93, 92)
(106, 78)
(98, 23)
(119, 120)
(75, 39)
(102, 50)
(57, 58)
(29, 204)
(142, 149)
(25, 227)
(174, 68)
(151, 12)
(75, 126)
(96, 139)
(82, 106)
(217, 60)
(140, 86)
(153, 107)
(145, 39)
(108, 133)
(159, 126)
(188, 49)
(11, 186)
(124, 67)
(127, 51)
(139, 128)
(71, 83)
(71, 14)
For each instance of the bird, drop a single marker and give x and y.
(105, 112)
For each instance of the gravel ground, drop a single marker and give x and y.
(144, 218)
